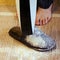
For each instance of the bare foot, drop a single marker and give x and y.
(43, 16)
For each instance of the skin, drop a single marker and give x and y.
(43, 16)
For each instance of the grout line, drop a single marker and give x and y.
(55, 15)
(7, 14)
(14, 14)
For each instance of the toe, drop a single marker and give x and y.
(37, 23)
(44, 21)
(48, 19)
(37, 20)
(40, 23)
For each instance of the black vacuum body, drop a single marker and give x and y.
(25, 17)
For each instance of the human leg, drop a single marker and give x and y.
(44, 12)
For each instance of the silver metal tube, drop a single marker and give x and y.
(33, 6)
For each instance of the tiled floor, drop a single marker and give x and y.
(11, 49)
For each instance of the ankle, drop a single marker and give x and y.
(46, 9)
